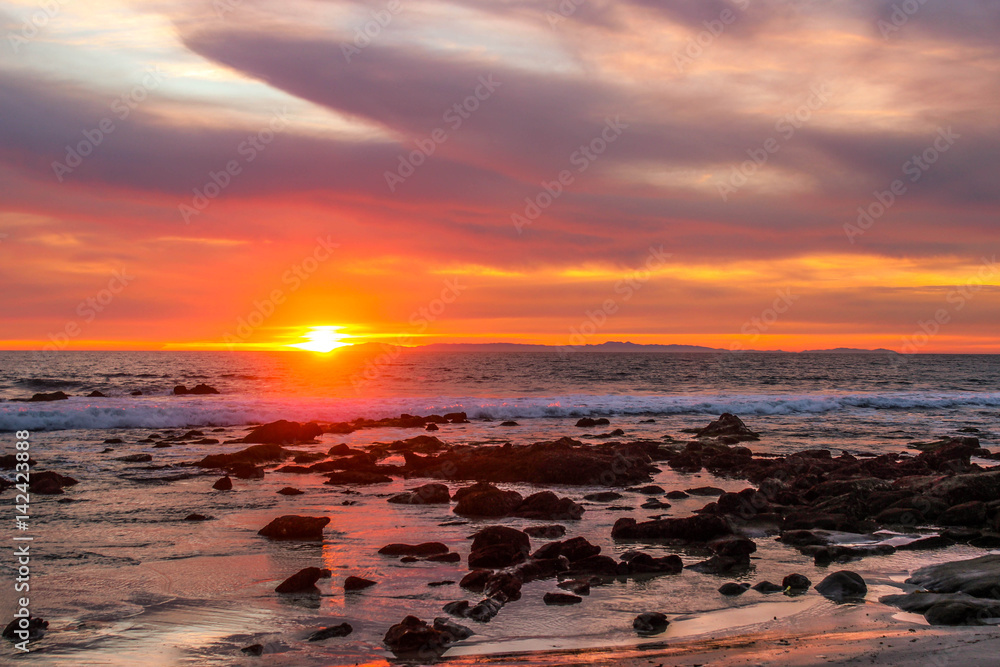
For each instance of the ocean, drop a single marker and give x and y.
(123, 579)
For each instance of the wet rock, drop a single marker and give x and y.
(485, 610)
(358, 477)
(135, 393)
(729, 426)
(733, 589)
(113, 441)
(796, 582)
(840, 554)
(35, 630)
(587, 422)
(982, 542)
(503, 586)
(977, 577)
(451, 631)
(484, 499)
(547, 505)
(638, 563)
(965, 514)
(294, 527)
(653, 504)
(705, 491)
(431, 427)
(732, 555)
(303, 581)
(767, 587)
(290, 491)
(459, 608)
(443, 582)
(341, 630)
(413, 637)
(475, 580)
(603, 496)
(843, 585)
(947, 608)
(54, 396)
(677, 495)
(498, 547)
(246, 471)
(423, 550)
(357, 583)
(573, 549)
(576, 586)
(561, 599)
(253, 455)
(650, 623)
(135, 458)
(49, 483)
(284, 432)
(649, 489)
(594, 565)
(689, 529)
(444, 558)
(198, 389)
(96, 394)
(423, 495)
(547, 532)
(253, 649)
(509, 423)
(197, 517)
(421, 443)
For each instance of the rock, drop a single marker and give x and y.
(197, 517)
(972, 513)
(796, 582)
(198, 389)
(451, 631)
(444, 558)
(35, 630)
(358, 477)
(96, 394)
(677, 495)
(509, 423)
(729, 426)
(767, 587)
(135, 393)
(649, 489)
(485, 610)
(573, 549)
(700, 528)
(576, 586)
(49, 483)
(290, 491)
(431, 427)
(113, 441)
(246, 471)
(443, 582)
(587, 422)
(135, 458)
(498, 547)
(843, 585)
(294, 527)
(733, 589)
(253, 649)
(484, 499)
(459, 608)
(561, 599)
(54, 396)
(475, 580)
(547, 505)
(547, 532)
(303, 581)
(284, 432)
(424, 549)
(357, 583)
(977, 577)
(650, 623)
(503, 586)
(603, 496)
(594, 565)
(654, 504)
(705, 491)
(960, 613)
(251, 455)
(639, 563)
(413, 637)
(423, 495)
(341, 630)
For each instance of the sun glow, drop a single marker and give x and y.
(322, 339)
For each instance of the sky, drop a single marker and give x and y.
(744, 174)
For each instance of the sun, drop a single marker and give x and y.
(322, 339)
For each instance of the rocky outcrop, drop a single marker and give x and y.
(303, 581)
(498, 547)
(423, 495)
(294, 527)
(255, 455)
(843, 585)
(413, 638)
(728, 427)
(284, 432)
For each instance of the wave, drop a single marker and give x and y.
(180, 412)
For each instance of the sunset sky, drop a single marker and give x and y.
(217, 174)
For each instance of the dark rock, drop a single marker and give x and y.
(594, 565)
(732, 589)
(294, 527)
(503, 586)
(251, 455)
(983, 542)
(650, 623)
(357, 583)
(484, 499)
(509, 423)
(498, 547)
(284, 432)
(35, 630)
(547, 505)
(413, 637)
(246, 471)
(843, 585)
(431, 427)
(443, 582)
(359, 477)
(587, 422)
(426, 494)
(576, 586)
(638, 563)
(977, 577)
(705, 491)
(135, 458)
(475, 580)
(729, 426)
(690, 529)
(485, 610)
(425, 549)
(113, 441)
(290, 491)
(547, 532)
(341, 630)
(649, 489)
(96, 394)
(444, 558)
(972, 513)
(960, 613)
(767, 587)
(796, 582)
(603, 496)
(197, 517)
(303, 581)
(677, 495)
(459, 608)
(452, 632)
(135, 393)
(54, 396)
(49, 483)
(198, 389)
(253, 649)
(573, 549)
(561, 599)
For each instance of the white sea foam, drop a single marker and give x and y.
(179, 412)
